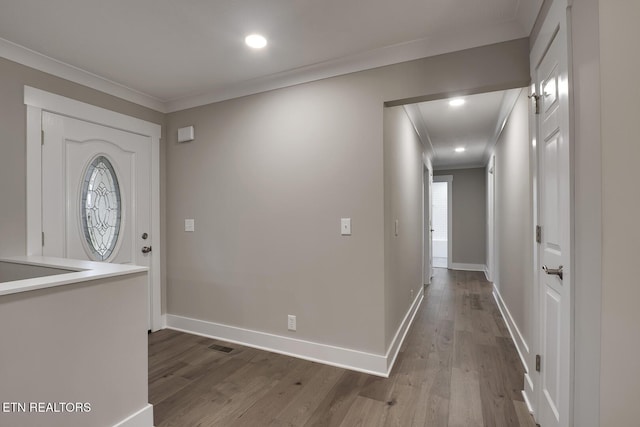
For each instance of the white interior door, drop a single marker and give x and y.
(96, 192)
(554, 216)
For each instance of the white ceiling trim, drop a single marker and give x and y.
(509, 99)
(389, 55)
(33, 59)
(415, 116)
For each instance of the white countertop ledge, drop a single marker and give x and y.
(81, 271)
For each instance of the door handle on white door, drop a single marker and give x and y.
(146, 249)
(553, 271)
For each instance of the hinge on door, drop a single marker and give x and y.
(538, 363)
(42, 137)
(43, 238)
(538, 234)
(536, 99)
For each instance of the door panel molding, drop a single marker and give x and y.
(38, 101)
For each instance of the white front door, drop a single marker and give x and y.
(550, 77)
(96, 192)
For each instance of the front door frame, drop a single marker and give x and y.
(36, 102)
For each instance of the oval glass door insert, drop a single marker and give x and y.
(101, 208)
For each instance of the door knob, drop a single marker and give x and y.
(553, 271)
(146, 249)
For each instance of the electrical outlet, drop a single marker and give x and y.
(291, 322)
(411, 294)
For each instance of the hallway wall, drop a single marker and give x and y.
(514, 243)
(469, 206)
(403, 166)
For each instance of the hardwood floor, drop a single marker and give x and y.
(457, 367)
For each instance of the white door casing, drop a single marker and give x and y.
(491, 168)
(427, 178)
(75, 133)
(553, 303)
(449, 180)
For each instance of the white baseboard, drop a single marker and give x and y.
(370, 363)
(402, 331)
(163, 321)
(486, 274)
(518, 339)
(467, 267)
(142, 418)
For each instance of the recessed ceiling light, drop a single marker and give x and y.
(255, 41)
(457, 102)
(460, 150)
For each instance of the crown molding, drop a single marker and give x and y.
(417, 49)
(38, 61)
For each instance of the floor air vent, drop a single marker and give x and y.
(221, 348)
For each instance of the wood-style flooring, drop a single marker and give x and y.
(457, 367)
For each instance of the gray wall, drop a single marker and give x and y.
(588, 213)
(469, 234)
(513, 217)
(620, 127)
(403, 166)
(267, 180)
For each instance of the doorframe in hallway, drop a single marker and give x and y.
(427, 224)
(38, 101)
(491, 209)
(449, 180)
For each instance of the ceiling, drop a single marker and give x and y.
(169, 54)
(474, 126)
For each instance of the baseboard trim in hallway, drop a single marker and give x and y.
(355, 360)
(467, 267)
(521, 345)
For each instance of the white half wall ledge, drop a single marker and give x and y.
(142, 418)
(346, 358)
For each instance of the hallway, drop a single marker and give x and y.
(457, 367)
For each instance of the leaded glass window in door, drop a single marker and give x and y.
(101, 208)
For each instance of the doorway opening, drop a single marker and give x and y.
(442, 213)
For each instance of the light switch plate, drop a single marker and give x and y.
(189, 225)
(345, 226)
